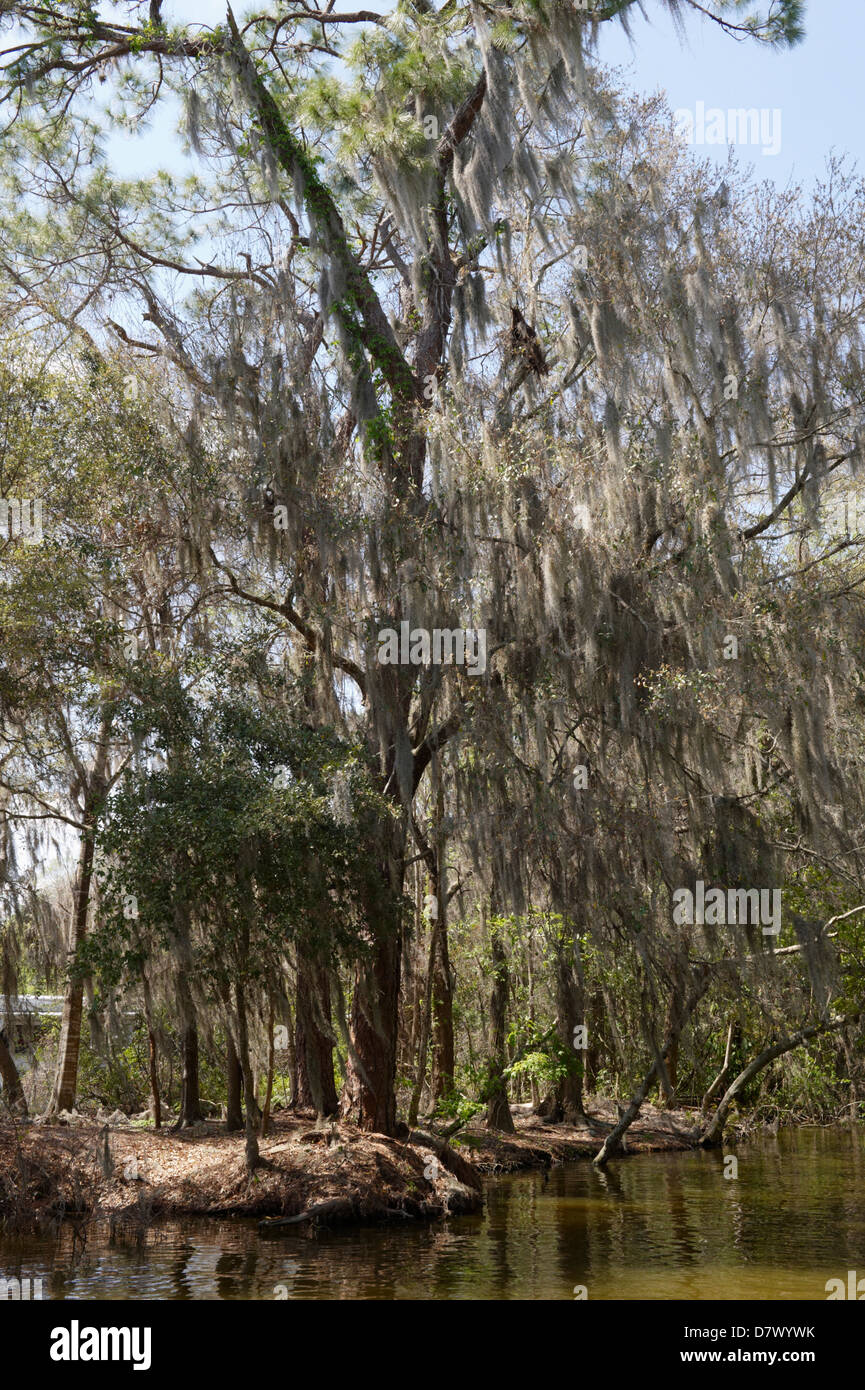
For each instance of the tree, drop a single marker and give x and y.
(398, 466)
(251, 861)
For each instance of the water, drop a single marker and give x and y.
(657, 1226)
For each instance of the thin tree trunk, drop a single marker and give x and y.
(66, 1077)
(595, 1023)
(443, 1012)
(498, 1111)
(568, 1103)
(678, 1018)
(723, 1073)
(190, 1095)
(413, 976)
(234, 1086)
(265, 1114)
(13, 1091)
(151, 1053)
(292, 1066)
(442, 981)
(713, 1133)
(423, 1043)
(252, 1117)
(669, 1075)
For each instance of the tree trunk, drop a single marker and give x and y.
(713, 1133)
(593, 1055)
(190, 1096)
(498, 1111)
(369, 1095)
(678, 1018)
(423, 1041)
(672, 1076)
(732, 1030)
(66, 1077)
(13, 1092)
(252, 1117)
(442, 981)
(234, 1086)
(313, 1040)
(151, 1054)
(265, 1114)
(443, 1014)
(568, 1103)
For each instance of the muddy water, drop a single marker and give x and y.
(658, 1226)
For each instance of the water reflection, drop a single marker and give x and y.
(652, 1227)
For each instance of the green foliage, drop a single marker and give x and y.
(237, 841)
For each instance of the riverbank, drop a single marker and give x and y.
(337, 1173)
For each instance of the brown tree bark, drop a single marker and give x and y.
(369, 1098)
(151, 1054)
(442, 980)
(66, 1077)
(313, 1040)
(498, 1114)
(568, 1103)
(234, 1086)
(369, 1091)
(423, 1039)
(595, 1021)
(668, 1074)
(190, 1095)
(443, 1015)
(268, 1094)
(252, 1114)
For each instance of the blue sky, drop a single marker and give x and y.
(818, 88)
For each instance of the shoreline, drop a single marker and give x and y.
(82, 1169)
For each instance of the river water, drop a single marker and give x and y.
(655, 1226)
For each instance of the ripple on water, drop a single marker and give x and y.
(656, 1226)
